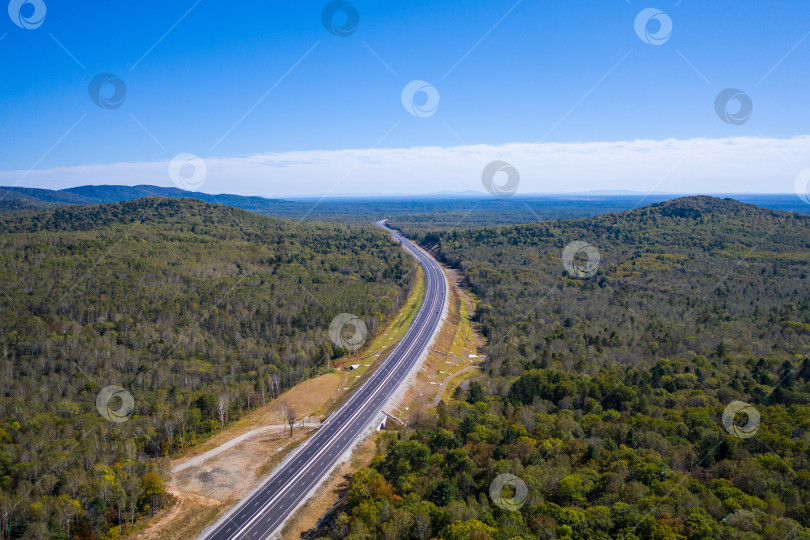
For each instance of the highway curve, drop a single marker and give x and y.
(262, 513)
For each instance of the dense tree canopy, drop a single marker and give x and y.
(605, 396)
(199, 311)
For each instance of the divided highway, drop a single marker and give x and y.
(261, 514)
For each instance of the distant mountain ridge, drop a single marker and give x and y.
(414, 212)
(15, 198)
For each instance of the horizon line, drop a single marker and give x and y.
(438, 194)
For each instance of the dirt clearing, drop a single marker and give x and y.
(213, 476)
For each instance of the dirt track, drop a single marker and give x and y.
(208, 480)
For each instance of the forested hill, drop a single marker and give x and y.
(181, 215)
(199, 311)
(12, 198)
(675, 279)
(605, 395)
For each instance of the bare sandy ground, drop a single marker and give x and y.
(273, 430)
(212, 477)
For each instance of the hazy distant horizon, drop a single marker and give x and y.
(701, 165)
(470, 194)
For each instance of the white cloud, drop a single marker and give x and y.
(733, 165)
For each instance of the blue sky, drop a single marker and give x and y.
(260, 78)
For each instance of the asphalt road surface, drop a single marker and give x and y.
(260, 515)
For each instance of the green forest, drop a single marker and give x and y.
(602, 399)
(200, 312)
(604, 396)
